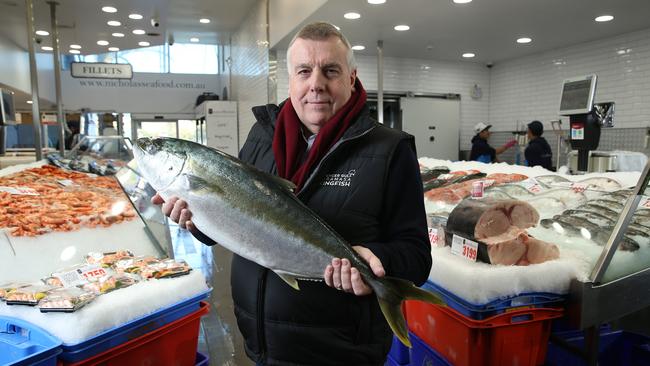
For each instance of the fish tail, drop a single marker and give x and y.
(390, 293)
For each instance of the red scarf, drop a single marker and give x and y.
(289, 144)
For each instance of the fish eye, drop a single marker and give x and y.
(171, 167)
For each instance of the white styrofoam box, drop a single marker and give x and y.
(250, 67)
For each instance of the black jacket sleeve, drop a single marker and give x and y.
(405, 251)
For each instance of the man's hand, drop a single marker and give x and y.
(176, 210)
(342, 276)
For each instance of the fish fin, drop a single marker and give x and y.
(390, 293)
(200, 184)
(289, 279)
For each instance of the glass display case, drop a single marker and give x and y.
(51, 216)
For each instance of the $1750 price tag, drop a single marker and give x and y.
(464, 247)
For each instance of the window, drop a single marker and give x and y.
(193, 59)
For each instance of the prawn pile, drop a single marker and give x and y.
(60, 200)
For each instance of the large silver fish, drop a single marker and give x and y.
(257, 216)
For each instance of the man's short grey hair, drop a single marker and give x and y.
(321, 31)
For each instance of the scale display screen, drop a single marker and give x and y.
(578, 95)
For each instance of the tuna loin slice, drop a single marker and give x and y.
(500, 225)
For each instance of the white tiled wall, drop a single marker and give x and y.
(529, 88)
(423, 76)
(250, 66)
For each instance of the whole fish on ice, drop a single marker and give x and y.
(257, 216)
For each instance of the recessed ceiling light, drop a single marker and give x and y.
(138, 31)
(462, 1)
(42, 33)
(204, 20)
(143, 44)
(468, 55)
(113, 49)
(135, 16)
(117, 34)
(113, 23)
(376, 2)
(351, 15)
(76, 52)
(524, 40)
(29, 102)
(102, 43)
(194, 40)
(109, 9)
(75, 46)
(47, 48)
(358, 47)
(604, 18)
(402, 27)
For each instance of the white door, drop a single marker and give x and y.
(435, 123)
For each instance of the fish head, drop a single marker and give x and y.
(160, 160)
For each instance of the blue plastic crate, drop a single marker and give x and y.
(399, 353)
(615, 348)
(22, 343)
(202, 360)
(113, 337)
(499, 306)
(422, 354)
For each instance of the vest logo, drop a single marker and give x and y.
(339, 179)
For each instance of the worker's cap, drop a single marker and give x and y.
(536, 128)
(480, 127)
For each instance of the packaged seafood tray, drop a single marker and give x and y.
(8, 287)
(29, 295)
(125, 333)
(22, 343)
(107, 259)
(529, 300)
(65, 300)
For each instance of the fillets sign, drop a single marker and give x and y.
(100, 70)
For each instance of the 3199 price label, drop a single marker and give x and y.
(464, 247)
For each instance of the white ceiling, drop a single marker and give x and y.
(488, 28)
(82, 21)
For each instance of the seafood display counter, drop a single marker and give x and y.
(584, 236)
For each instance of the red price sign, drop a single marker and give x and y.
(94, 273)
(578, 187)
(433, 236)
(645, 202)
(464, 248)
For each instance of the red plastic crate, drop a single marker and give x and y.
(519, 337)
(173, 344)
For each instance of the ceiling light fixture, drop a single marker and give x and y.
(468, 55)
(401, 28)
(113, 23)
(194, 40)
(117, 34)
(109, 9)
(138, 31)
(47, 48)
(76, 52)
(204, 20)
(524, 40)
(135, 16)
(462, 1)
(29, 102)
(102, 43)
(604, 18)
(113, 49)
(376, 2)
(358, 47)
(352, 15)
(42, 33)
(143, 44)
(75, 46)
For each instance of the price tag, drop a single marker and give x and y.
(579, 187)
(464, 247)
(445, 176)
(23, 191)
(81, 275)
(488, 182)
(644, 203)
(433, 236)
(65, 182)
(532, 185)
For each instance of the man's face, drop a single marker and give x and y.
(320, 81)
(529, 134)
